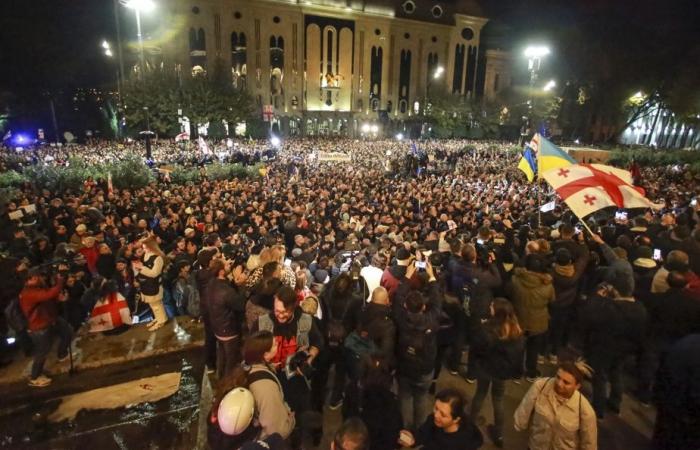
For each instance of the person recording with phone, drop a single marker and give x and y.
(39, 303)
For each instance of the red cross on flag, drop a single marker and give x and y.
(109, 312)
(587, 188)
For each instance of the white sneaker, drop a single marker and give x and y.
(553, 360)
(40, 381)
(540, 359)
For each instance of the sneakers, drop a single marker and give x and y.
(335, 403)
(63, 359)
(530, 379)
(40, 381)
(540, 359)
(553, 360)
(454, 373)
(470, 380)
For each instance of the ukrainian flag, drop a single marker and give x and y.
(527, 164)
(549, 156)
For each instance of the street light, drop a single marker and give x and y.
(438, 72)
(140, 6)
(551, 84)
(534, 54)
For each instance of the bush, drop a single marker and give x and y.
(128, 173)
(655, 158)
(11, 179)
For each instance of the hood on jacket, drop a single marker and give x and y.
(532, 279)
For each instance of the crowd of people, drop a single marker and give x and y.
(353, 284)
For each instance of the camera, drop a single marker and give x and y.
(298, 361)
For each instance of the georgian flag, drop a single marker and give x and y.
(587, 188)
(109, 313)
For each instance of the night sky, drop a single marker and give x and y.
(55, 44)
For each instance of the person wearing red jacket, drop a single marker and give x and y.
(38, 303)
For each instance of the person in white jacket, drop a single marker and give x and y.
(556, 414)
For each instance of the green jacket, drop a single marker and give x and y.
(531, 293)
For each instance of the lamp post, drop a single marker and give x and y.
(534, 55)
(138, 6)
(108, 53)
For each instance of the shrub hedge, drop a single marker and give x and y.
(128, 173)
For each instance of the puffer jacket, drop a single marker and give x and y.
(531, 293)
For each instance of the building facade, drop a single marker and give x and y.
(330, 66)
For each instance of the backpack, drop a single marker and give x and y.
(15, 317)
(335, 330)
(192, 299)
(358, 350)
(218, 440)
(411, 344)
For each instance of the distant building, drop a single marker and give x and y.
(326, 67)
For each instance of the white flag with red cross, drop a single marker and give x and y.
(109, 312)
(587, 188)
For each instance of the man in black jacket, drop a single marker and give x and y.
(417, 319)
(673, 315)
(341, 303)
(614, 326)
(376, 319)
(225, 306)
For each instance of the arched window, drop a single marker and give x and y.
(238, 59)
(276, 52)
(198, 48)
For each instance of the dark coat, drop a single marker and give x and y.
(381, 329)
(494, 357)
(672, 316)
(226, 306)
(417, 330)
(612, 329)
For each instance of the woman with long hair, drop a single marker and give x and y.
(257, 375)
(497, 350)
(150, 278)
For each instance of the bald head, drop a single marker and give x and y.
(380, 296)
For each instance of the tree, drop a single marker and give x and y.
(152, 101)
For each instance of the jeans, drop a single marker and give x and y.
(416, 402)
(228, 355)
(534, 345)
(607, 371)
(43, 340)
(498, 388)
(331, 356)
(560, 320)
(209, 343)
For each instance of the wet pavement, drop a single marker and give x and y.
(170, 423)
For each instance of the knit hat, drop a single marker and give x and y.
(644, 257)
(321, 275)
(562, 257)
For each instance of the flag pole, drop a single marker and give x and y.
(585, 225)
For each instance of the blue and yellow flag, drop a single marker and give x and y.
(527, 164)
(548, 155)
